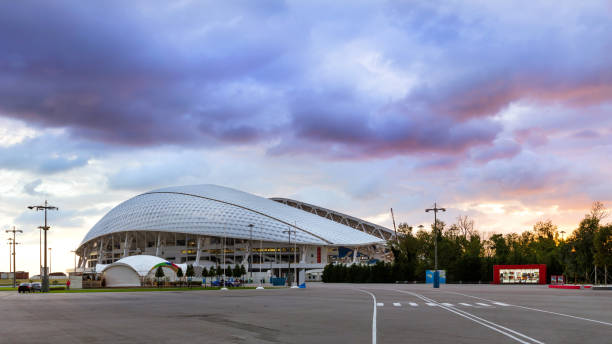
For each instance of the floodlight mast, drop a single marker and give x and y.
(435, 209)
(45, 207)
(14, 231)
(289, 231)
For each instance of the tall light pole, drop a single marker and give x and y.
(74, 271)
(14, 231)
(45, 207)
(50, 268)
(250, 260)
(10, 243)
(435, 209)
(40, 250)
(289, 231)
(224, 278)
(260, 263)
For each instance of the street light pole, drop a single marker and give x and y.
(14, 231)
(74, 271)
(45, 207)
(289, 231)
(435, 209)
(50, 268)
(250, 260)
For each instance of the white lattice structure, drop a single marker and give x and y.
(195, 224)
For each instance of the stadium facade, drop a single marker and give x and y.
(197, 224)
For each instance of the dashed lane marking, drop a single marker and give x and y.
(501, 304)
(431, 304)
(483, 304)
(397, 304)
(465, 304)
(414, 304)
(380, 304)
(448, 304)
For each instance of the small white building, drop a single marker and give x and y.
(133, 271)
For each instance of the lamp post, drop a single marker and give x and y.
(14, 231)
(45, 207)
(10, 243)
(250, 260)
(260, 263)
(74, 271)
(289, 231)
(224, 278)
(50, 268)
(435, 209)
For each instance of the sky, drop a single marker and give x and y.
(501, 111)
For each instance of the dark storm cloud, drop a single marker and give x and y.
(212, 74)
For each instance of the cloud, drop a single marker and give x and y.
(327, 83)
(30, 188)
(46, 155)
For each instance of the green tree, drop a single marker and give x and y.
(602, 242)
(159, 274)
(179, 274)
(189, 273)
(205, 274)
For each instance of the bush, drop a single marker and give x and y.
(57, 288)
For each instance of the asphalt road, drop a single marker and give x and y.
(319, 314)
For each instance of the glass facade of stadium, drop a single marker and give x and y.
(209, 225)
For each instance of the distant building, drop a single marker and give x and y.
(20, 275)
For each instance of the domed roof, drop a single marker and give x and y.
(142, 264)
(217, 211)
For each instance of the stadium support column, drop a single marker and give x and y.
(355, 251)
(101, 251)
(158, 243)
(125, 245)
(197, 260)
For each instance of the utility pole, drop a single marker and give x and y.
(14, 231)
(45, 207)
(435, 209)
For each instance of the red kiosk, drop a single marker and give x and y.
(519, 274)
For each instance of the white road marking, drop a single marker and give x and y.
(373, 316)
(483, 304)
(501, 304)
(448, 304)
(397, 304)
(380, 304)
(489, 324)
(431, 304)
(414, 304)
(540, 310)
(465, 304)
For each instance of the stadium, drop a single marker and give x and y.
(210, 225)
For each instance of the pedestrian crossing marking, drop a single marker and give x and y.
(380, 304)
(483, 304)
(397, 304)
(414, 304)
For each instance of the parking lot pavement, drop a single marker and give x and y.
(322, 313)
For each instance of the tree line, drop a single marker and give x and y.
(467, 257)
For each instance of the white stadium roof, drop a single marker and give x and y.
(217, 211)
(142, 264)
